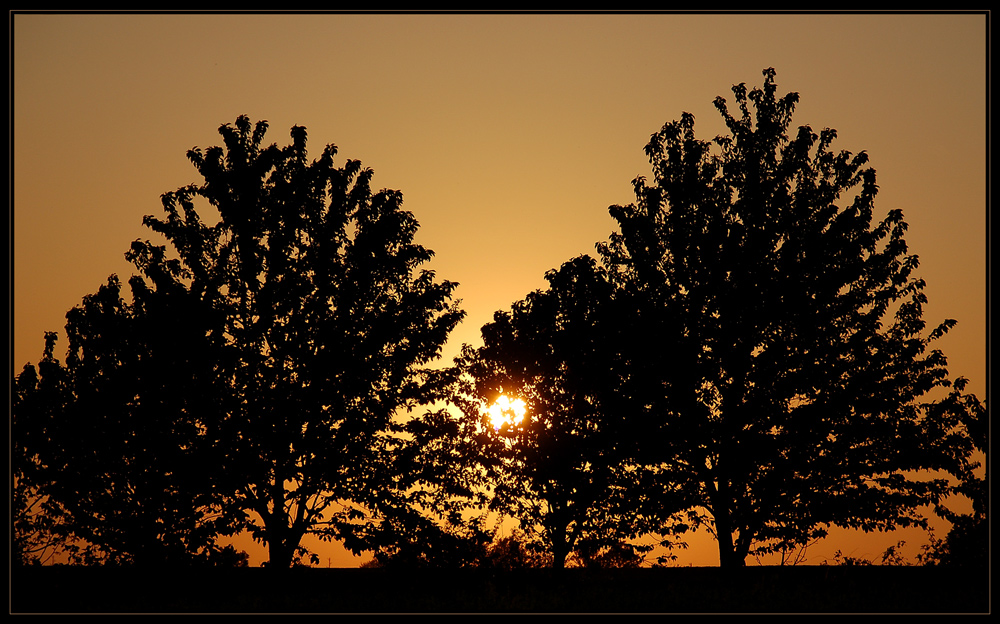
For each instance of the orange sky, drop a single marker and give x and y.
(509, 135)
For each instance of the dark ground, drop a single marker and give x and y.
(819, 589)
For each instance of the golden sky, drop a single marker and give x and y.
(509, 135)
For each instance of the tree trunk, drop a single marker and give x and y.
(559, 554)
(280, 544)
(727, 551)
(279, 554)
(560, 548)
(728, 557)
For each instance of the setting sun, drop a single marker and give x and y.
(505, 410)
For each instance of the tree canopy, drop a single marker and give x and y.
(786, 365)
(310, 326)
(114, 442)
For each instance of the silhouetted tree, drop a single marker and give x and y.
(421, 540)
(967, 542)
(511, 552)
(325, 325)
(115, 441)
(38, 522)
(779, 352)
(515, 552)
(308, 327)
(608, 555)
(568, 471)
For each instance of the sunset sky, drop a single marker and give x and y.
(508, 135)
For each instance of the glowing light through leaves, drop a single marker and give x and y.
(506, 411)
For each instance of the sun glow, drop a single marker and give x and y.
(505, 410)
